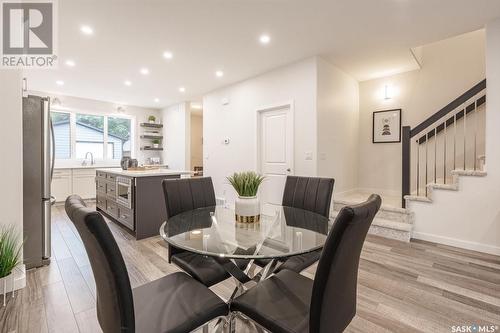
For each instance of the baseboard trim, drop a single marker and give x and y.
(495, 250)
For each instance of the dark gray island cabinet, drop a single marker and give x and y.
(134, 199)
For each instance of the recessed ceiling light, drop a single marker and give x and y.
(127, 83)
(182, 89)
(219, 73)
(86, 30)
(168, 55)
(157, 100)
(60, 82)
(70, 63)
(144, 71)
(264, 39)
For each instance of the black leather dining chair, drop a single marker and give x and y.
(313, 194)
(175, 303)
(289, 302)
(186, 194)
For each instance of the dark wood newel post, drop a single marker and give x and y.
(405, 185)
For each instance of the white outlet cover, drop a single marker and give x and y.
(309, 156)
(224, 101)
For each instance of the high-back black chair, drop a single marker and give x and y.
(313, 194)
(309, 193)
(290, 302)
(187, 194)
(153, 307)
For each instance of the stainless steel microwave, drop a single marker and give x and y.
(124, 191)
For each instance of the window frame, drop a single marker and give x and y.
(72, 133)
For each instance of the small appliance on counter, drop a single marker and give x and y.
(133, 163)
(125, 160)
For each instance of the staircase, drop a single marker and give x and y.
(390, 222)
(444, 147)
(435, 155)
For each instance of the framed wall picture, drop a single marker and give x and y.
(387, 126)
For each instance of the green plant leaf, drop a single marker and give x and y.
(247, 183)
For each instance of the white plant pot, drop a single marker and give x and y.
(247, 209)
(6, 285)
(151, 121)
(156, 145)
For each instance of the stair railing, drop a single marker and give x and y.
(449, 123)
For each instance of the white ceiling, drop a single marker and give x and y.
(366, 38)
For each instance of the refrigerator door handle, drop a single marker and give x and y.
(46, 229)
(53, 151)
(46, 160)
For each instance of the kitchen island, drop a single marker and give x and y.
(134, 199)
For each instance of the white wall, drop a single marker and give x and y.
(449, 68)
(470, 217)
(237, 121)
(177, 136)
(11, 148)
(338, 119)
(196, 140)
(138, 114)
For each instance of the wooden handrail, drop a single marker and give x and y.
(471, 107)
(448, 108)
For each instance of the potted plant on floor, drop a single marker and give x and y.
(156, 143)
(247, 204)
(152, 119)
(10, 250)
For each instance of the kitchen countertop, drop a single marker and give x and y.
(85, 167)
(145, 173)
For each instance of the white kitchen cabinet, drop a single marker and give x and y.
(84, 183)
(61, 186)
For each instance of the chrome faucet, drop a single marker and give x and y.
(91, 158)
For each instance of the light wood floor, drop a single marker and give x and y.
(402, 287)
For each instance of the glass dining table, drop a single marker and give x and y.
(281, 233)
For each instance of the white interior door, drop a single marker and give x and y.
(275, 152)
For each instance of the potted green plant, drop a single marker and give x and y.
(247, 204)
(10, 254)
(156, 143)
(152, 119)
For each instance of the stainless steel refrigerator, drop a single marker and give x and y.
(38, 166)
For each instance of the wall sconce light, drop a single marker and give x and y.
(388, 93)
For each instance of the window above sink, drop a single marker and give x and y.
(105, 136)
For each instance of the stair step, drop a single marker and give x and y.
(388, 228)
(476, 173)
(396, 214)
(453, 186)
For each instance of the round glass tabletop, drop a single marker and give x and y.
(213, 231)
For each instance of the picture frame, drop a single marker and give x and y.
(386, 126)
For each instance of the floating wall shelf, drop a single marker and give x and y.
(151, 125)
(151, 148)
(152, 137)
